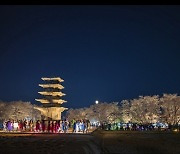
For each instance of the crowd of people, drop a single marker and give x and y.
(50, 126)
(77, 126)
(80, 126)
(139, 127)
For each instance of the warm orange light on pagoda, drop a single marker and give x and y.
(52, 98)
(58, 86)
(50, 79)
(52, 93)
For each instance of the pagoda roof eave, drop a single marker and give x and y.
(58, 86)
(50, 79)
(52, 93)
(45, 101)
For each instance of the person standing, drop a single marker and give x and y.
(48, 128)
(37, 126)
(74, 127)
(20, 125)
(60, 126)
(43, 126)
(65, 126)
(31, 125)
(9, 125)
(15, 125)
(88, 125)
(5, 125)
(54, 126)
(77, 126)
(24, 124)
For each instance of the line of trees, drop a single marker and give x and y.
(18, 110)
(145, 109)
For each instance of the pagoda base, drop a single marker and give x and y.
(51, 113)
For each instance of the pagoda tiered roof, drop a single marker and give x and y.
(55, 79)
(58, 86)
(45, 101)
(51, 101)
(52, 93)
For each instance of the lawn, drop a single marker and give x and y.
(134, 142)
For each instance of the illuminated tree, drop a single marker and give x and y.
(170, 108)
(76, 114)
(18, 110)
(102, 112)
(125, 111)
(145, 109)
(105, 112)
(2, 109)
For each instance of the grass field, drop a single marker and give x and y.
(133, 142)
(40, 143)
(98, 142)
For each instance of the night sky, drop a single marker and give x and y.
(106, 53)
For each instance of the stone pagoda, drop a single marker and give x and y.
(51, 102)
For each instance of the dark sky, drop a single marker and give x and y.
(105, 53)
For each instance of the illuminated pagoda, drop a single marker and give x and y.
(51, 102)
